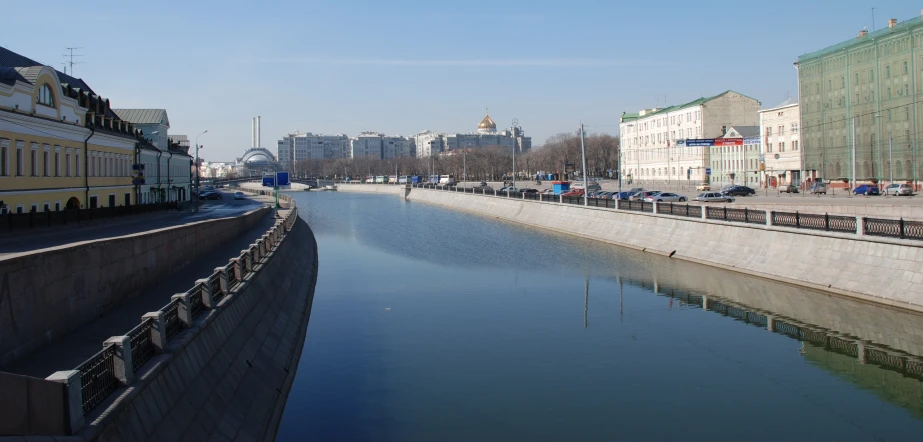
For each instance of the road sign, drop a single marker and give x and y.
(708, 171)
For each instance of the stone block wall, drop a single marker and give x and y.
(50, 292)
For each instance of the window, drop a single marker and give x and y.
(768, 131)
(77, 163)
(871, 75)
(905, 67)
(34, 160)
(889, 92)
(769, 147)
(4, 157)
(57, 164)
(45, 169)
(795, 145)
(781, 130)
(45, 96)
(67, 162)
(20, 167)
(887, 71)
(829, 85)
(906, 113)
(782, 147)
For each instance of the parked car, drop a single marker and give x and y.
(819, 188)
(547, 192)
(239, 196)
(574, 192)
(714, 197)
(739, 191)
(899, 189)
(622, 195)
(210, 196)
(639, 196)
(663, 197)
(703, 186)
(788, 188)
(528, 191)
(867, 190)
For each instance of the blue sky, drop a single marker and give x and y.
(400, 67)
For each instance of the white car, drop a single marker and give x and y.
(239, 196)
(665, 197)
(714, 197)
(898, 189)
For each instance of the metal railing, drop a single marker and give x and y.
(29, 220)
(196, 303)
(171, 319)
(142, 343)
(893, 228)
(97, 377)
(736, 215)
(214, 287)
(813, 221)
(680, 210)
(636, 206)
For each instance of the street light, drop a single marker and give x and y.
(197, 168)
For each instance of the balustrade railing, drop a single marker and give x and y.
(893, 228)
(680, 210)
(97, 378)
(142, 343)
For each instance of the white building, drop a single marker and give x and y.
(782, 144)
(485, 136)
(299, 146)
(168, 165)
(654, 143)
(427, 143)
(397, 147)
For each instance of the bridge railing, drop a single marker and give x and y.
(853, 225)
(115, 365)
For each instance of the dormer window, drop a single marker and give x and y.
(45, 96)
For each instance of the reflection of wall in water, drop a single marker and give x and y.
(891, 386)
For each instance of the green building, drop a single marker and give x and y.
(860, 108)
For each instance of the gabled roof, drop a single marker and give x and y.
(791, 101)
(692, 103)
(143, 116)
(10, 59)
(745, 131)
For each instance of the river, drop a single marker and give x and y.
(435, 325)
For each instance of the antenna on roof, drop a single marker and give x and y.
(70, 57)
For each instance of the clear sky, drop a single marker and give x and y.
(400, 67)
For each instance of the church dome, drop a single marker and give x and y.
(487, 124)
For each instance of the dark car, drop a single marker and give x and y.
(528, 190)
(867, 190)
(210, 196)
(739, 191)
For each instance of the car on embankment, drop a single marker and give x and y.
(239, 196)
(665, 197)
(867, 190)
(899, 189)
(739, 191)
(788, 188)
(714, 197)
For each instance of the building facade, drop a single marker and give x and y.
(299, 146)
(488, 136)
(654, 147)
(167, 164)
(61, 146)
(860, 120)
(780, 132)
(428, 143)
(736, 159)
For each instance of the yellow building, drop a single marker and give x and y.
(61, 147)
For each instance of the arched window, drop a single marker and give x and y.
(898, 169)
(45, 96)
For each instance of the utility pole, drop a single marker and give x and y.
(515, 124)
(465, 166)
(586, 191)
(70, 57)
(890, 160)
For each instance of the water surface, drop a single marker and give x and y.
(435, 325)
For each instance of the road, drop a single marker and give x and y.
(12, 243)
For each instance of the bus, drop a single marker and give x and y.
(392, 179)
(447, 179)
(381, 179)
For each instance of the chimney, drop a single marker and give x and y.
(863, 33)
(259, 137)
(892, 22)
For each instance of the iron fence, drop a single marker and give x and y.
(142, 343)
(680, 210)
(214, 286)
(171, 319)
(637, 206)
(736, 215)
(893, 228)
(813, 221)
(229, 269)
(97, 378)
(601, 202)
(29, 220)
(196, 304)
(843, 346)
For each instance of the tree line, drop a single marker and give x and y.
(559, 155)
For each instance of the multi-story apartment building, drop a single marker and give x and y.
(428, 143)
(379, 146)
(654, 141)
(166, 160)
(781, 145)
(736, 159)
(61, 146)
(298, 146)
(397, 147)
(860, 108)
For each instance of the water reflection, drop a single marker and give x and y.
(481, 340)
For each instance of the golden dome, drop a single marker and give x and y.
(487, 123)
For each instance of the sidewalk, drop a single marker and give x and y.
(69, 351)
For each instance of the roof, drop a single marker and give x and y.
(143, 116)
(11, 59)
(692, 103)
(901, 27)
(746, 131)
(791, 101)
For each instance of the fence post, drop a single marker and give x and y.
(704, 211)
(183, 310)
(769, 217)
(860, 226)
(654, 206)
(247, 264)
(826, 221)
(158, 331)
(797, 220)
(901, 224)
(73, 396)
(746, 215)
(725, 213)
(561, 198)
(121, 364)
(206, 292)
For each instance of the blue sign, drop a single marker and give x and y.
(680, 142)
(701, 142)
(708, 171)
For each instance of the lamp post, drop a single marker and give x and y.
(515, 124)
(197, 169)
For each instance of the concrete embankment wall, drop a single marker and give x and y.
(397, 190)
(48, 293)
(228, 376)
(880, 270)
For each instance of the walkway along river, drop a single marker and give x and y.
(432, 324)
